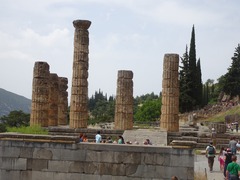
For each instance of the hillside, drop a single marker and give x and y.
(10, 102)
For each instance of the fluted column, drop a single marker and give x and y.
(170, 94)
(79, 94)
(124, 101)
(40, 91)
(62, 101)
(53, 100)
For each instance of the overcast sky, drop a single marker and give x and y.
(124, 35)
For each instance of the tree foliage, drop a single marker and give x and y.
(16, 119)
(101, 108)
(190, 77)
(185, 100)
(149, 109)
(231, 79)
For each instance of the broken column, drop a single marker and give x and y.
(62, 100)
(79, 94)
(53, 100)
(124, 101)
(170, 94)
(40, 91)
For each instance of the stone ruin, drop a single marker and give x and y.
(49, 97)
(170, 93)
(79, 94)
(124, 101)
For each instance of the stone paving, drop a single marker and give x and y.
(201, 167)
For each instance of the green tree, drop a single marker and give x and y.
(185, 100)
(199, 85)
(16, 119)
(232, 77)
(101, 109)
(192, 68)
(150, 110)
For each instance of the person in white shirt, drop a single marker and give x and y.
(98, 137)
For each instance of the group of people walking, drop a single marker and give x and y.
(227, 159)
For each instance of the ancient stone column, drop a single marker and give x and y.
(170, 94)
(124, 101)
(53, 100)
(79, 94)
(40, 91)
(62, 100)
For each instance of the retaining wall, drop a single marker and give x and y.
(21, 159)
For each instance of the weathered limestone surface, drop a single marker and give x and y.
(124, 101)
(49, 97)
(62, 101)
(53, 100)
(40, 94)
(79, 94)
(170, 94)
(60, 161)
(156, 136)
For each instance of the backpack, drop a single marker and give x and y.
(211, 150)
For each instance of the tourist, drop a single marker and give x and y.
(210, 154)
(228, 159)
(98, 137)
(121, 140)
(233, 145)
(214, 137)
(174, 178)
(233, 169)
(109, 140)
(221, 158)
(147, 142)
(81, 137)
(236, 123)
(84, 139)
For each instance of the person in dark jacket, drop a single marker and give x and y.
(228, 159)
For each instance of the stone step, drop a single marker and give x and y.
(90, 133)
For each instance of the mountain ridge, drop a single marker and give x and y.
(10, 101)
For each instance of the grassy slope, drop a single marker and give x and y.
(220, 117)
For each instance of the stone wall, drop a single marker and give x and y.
(26, 160)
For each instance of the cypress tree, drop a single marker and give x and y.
(185, 100)
(192, 68)
(199, 86)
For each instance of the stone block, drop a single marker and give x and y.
(90, 168)
(8, 163)
(6, 175)
(40, 175)
(76, 167)
(62, 176)
(26, 152)
(155, 159)
(127, 157)
(181, 161)
(69, 154)
(59, 166)
(37, 164)
(99, 156)
(112, 169)
(83, 167)
(25, 175)
(164, 172)
(42, 153)
(145, 171)
(131, 169)
(9, 152)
